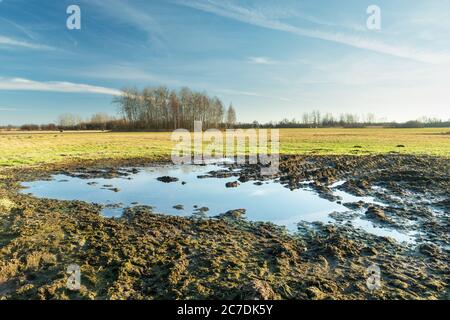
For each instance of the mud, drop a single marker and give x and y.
(143, 255)
(167, 179)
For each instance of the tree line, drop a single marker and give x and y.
(161, 108)
(152, 109)
(71, 121)
(316, 119)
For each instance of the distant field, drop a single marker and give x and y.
(35, 148)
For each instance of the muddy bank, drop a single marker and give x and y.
(414, 190)
(143, 255)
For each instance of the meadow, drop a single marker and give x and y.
(147, 253)
(19, 148)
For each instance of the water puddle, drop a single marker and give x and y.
(383, 232)
(269, 201)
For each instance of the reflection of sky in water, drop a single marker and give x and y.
(267, 202)
(383, 232)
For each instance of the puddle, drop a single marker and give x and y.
(269, 202)
(383, 232)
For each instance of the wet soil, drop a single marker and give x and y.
(144, 255)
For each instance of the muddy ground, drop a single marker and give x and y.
(143, 255)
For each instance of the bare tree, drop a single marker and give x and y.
(231, 116)
(69, 120)
(159, 108)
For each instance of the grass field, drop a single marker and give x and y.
(148, 255)
(40, 148)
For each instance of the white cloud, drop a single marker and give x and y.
(24, 30)
(261, 60)
(10, 42)
(130, 75)
(128, 13)
(53, 86)
(137, 17)
(250, 94)
(120, 72)
(257, 18)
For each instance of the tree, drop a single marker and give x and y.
(316, 117)
(370, 118)
(159, 108)
(175, 109)
(69, 120)
(231, 116)
(100, 118)
(306, 118)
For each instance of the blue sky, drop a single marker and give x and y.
(272, 59)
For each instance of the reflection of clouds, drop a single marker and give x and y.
(271, 202)
(259, 193)
(187, 169)
(369, 227)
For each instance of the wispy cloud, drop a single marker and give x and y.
(7, 109)
(18, 27)
(327, 23)
(258, 18)
(129, 13)
(120, 72)
(10, 42)
(250, 94)
(128, 75)
(261, 60)
(54, 86)
(137, 17)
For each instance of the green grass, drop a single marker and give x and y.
(433, 141)
(31, 149)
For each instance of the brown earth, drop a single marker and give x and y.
(143, 255)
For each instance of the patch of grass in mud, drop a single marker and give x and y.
(148, 256)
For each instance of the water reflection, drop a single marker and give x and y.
(266, 202)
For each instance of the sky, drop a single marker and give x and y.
(272, 59)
